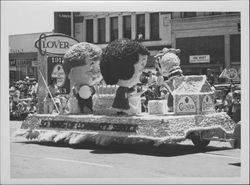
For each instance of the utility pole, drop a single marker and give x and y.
(72, 24)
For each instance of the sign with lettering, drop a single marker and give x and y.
(186, 105)
(231, 73)
(56, 44)
(199, 59)
(56, 70)
(72, 125)
(34, 63)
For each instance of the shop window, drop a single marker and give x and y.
(101, 30)
(89, 30)
(127, 27)
(235, 48)
(154, 26)
(140, 25)
(113, 28)
(208, 45)
(188, 14)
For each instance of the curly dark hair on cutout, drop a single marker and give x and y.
(118, 59)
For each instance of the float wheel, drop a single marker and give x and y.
(198, 142)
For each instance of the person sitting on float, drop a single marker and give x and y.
(122, 64)
(168, 64)
(82, 66)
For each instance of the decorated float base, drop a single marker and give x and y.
(144, 128)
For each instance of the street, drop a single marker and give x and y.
(42, 160)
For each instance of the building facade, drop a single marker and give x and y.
(23, 56)
(208, 40)
(153, 28)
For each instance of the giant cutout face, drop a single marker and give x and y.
(167, 61)
(123, 61)
(82, 63)
(122, 64)
(135, 79)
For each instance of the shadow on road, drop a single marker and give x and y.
(166, 150)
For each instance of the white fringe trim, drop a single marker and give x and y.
(105, 139)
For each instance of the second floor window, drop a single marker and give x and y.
(140, 25)
(101, 30)
(113, 28)
(127, 27)
(215, 13)
(189, 14)
(154, 26)
(89, 30)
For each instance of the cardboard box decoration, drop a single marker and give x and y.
(157, 106)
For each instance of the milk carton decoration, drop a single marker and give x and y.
(122, 64)
(193, 95)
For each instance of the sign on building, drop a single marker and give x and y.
(56, 70)
(194, 59)
(55, 44)
(52, 48)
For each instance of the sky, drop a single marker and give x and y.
(27, 17)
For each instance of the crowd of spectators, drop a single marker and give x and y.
(22, 98)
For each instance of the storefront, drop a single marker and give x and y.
(22, 65)
(23, 56)
(207, 42)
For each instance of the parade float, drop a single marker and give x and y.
(108, 111)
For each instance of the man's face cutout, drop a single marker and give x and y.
(88, 74)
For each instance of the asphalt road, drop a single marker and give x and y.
(42, 160)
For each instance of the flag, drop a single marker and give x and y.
(224, 73)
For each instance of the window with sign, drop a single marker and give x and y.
(208, 45)
(113, 28)
(89, 30)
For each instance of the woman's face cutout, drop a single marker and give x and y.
(139, 66)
